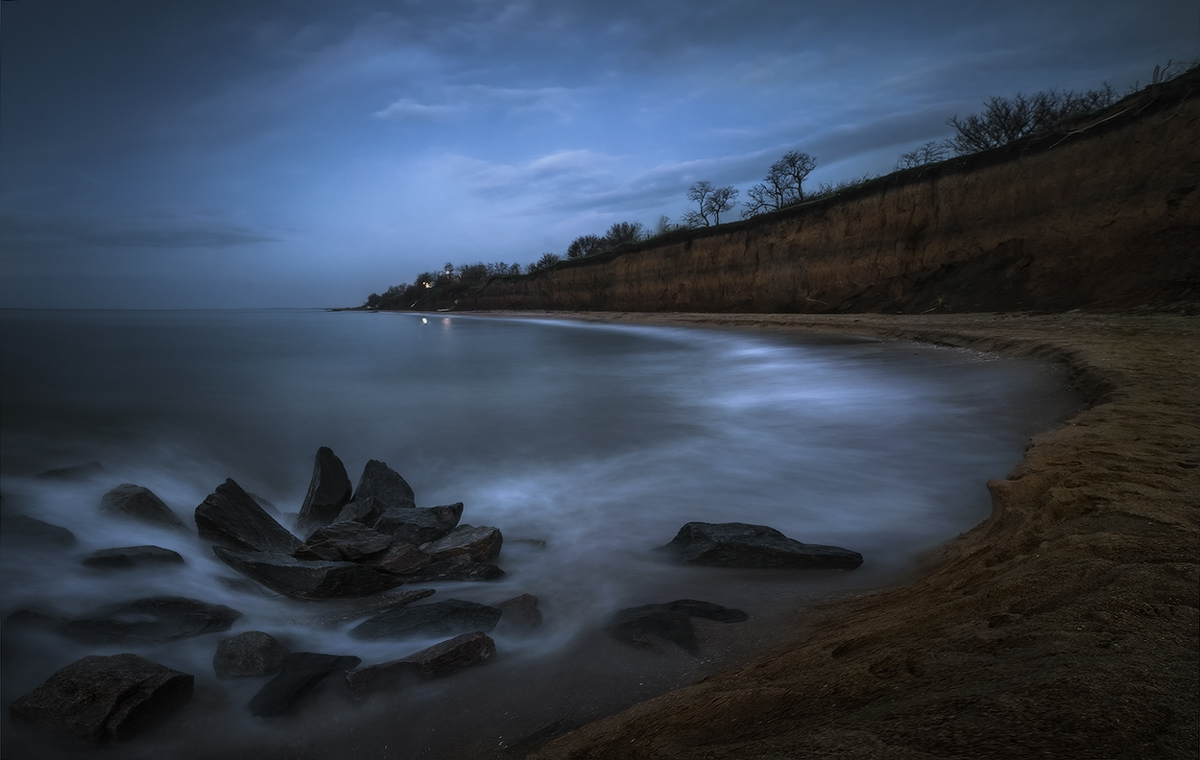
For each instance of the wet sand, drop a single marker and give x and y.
(1064, 626)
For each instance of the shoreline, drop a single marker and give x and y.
(1065, 625)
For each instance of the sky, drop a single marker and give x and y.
(306, 153)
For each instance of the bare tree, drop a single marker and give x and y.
(929, 153)
(585, 245)
(710, 202)
(623, 232)
(1004, 120)
(783, 185)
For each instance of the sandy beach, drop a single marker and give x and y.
(1063, 626)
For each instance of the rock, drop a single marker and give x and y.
(308, 580)
(74, 472)
(520, 612)
(433, 662)
(479, 544)
(131, 556)
(300, 674)
(105, 698)
(456, 569)
(404, 559)
(139, 503)
(385, 485)
(743, 545)
(252, 653)
(230, 516)
(26, 531)
(447, 618)
(417, 525)
(651, 624)
(366, 511)
(336, 613)
(153, 620)
(345, 541)
(328, 491)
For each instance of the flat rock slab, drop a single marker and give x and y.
(251, 653)
(153, 620)
(300, 673)
(328, 491)
(479, 544)
(436, 661)
(753, 546)
(447, 618)
(105, 698)
(652, 624)
(128, 557)
(231, 517)
(343, 541)
(139, 503)
(458, 568)
(18, 531)
(418, 525)
(308, 580)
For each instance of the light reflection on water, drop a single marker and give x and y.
(601, 440)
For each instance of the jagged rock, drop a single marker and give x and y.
(651, 624)
(26, 531)
(345, 541)
(743, 545)
(153, 620)
(74, 472)
(230, 516)
(418, 525)
(131, 556)
(404, 559)
(447, 618)
(105, 698)
(432, 662)
(300, 674)
(307, 580)
(252, 653)
(139, 503)
(479, 544)
(366, 511)
(384, 484)
(328, 491)
(458, 568)
(520, 612)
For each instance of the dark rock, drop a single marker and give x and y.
(404, 559)
(345, 541)
(35, 616)
(336, 613)
(300, 674)
(418, 525)
(520, 612)
(74, 472)
(708, 611)
(266, 504)
(153, 620)
(230, 516)
(102, 698)
(744, 545)
(139, 503)
(433, 662)
(328, 491)
(385, 485)
(447, 618)
(366, 511)
(26, 531)
(308, 580)
(479, 544)
(131, 556)
(456, 569)
(651, 624)
(252, 653)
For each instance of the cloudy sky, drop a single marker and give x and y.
(231, 153)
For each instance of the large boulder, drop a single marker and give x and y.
(232, 517)
(401, 559)
(346, 541)
(432, 662)
(139, 503)
(308, 580)
(448, 618)
(744, 545)
(328, 491)
(478, 544)
(300, 674)
(385, 485)
(102, 698)
(418, 525)
(18, 531)
(153, 620)
(251, 653)
(652, 624)
(128, 557)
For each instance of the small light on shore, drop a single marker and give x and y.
(424, 321)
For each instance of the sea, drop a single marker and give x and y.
(588, 445)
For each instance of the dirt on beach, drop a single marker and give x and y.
(1064, 626)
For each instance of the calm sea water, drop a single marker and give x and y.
(600, 440)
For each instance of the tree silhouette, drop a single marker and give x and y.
(783, 185)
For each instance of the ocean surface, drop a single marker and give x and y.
(599, 440)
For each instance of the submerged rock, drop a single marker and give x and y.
(744, 545)
(252, 653)
(105, 698)
(344, 541)
(520, 612)
(308, 580)
(436, 661)
(131, 556)
(139, 503)
(153, 620)
(328, 491)
(300, 673)
(74, 472)
(230, 516)
(652, 624)
(385, 485)
(478, 544)
(447, 618)
(25, 531)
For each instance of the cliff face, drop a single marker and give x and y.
(1105, 215)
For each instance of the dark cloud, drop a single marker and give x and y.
(41, 233)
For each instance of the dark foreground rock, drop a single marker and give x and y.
(479, 544)
(385, 485)
(139, 503)
(653, 624)
(24, 531)
(744, 545)
(103, 698)
(344, 541)
(448, 618)
(308, 580)
(402, 559)
(456, 569)
(418, 525)
(328, 491)
(520, 612)
(433, 662)
(300, 674)
(128, 557)
(153, 620)
(252, 653)
(232, 517)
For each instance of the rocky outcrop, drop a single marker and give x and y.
(447, 618)
(436, 661)
(307, 579)
(345, 541)
(385, 485)
(651, 625)
(299, 675)
(249, 654)
(18, 531)
(139, 503)
(744, 545)
(105, 698)
(328, 491)
(153, 620)
(129, 557)
(477, 544)
(418, 525)
(232, 517)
